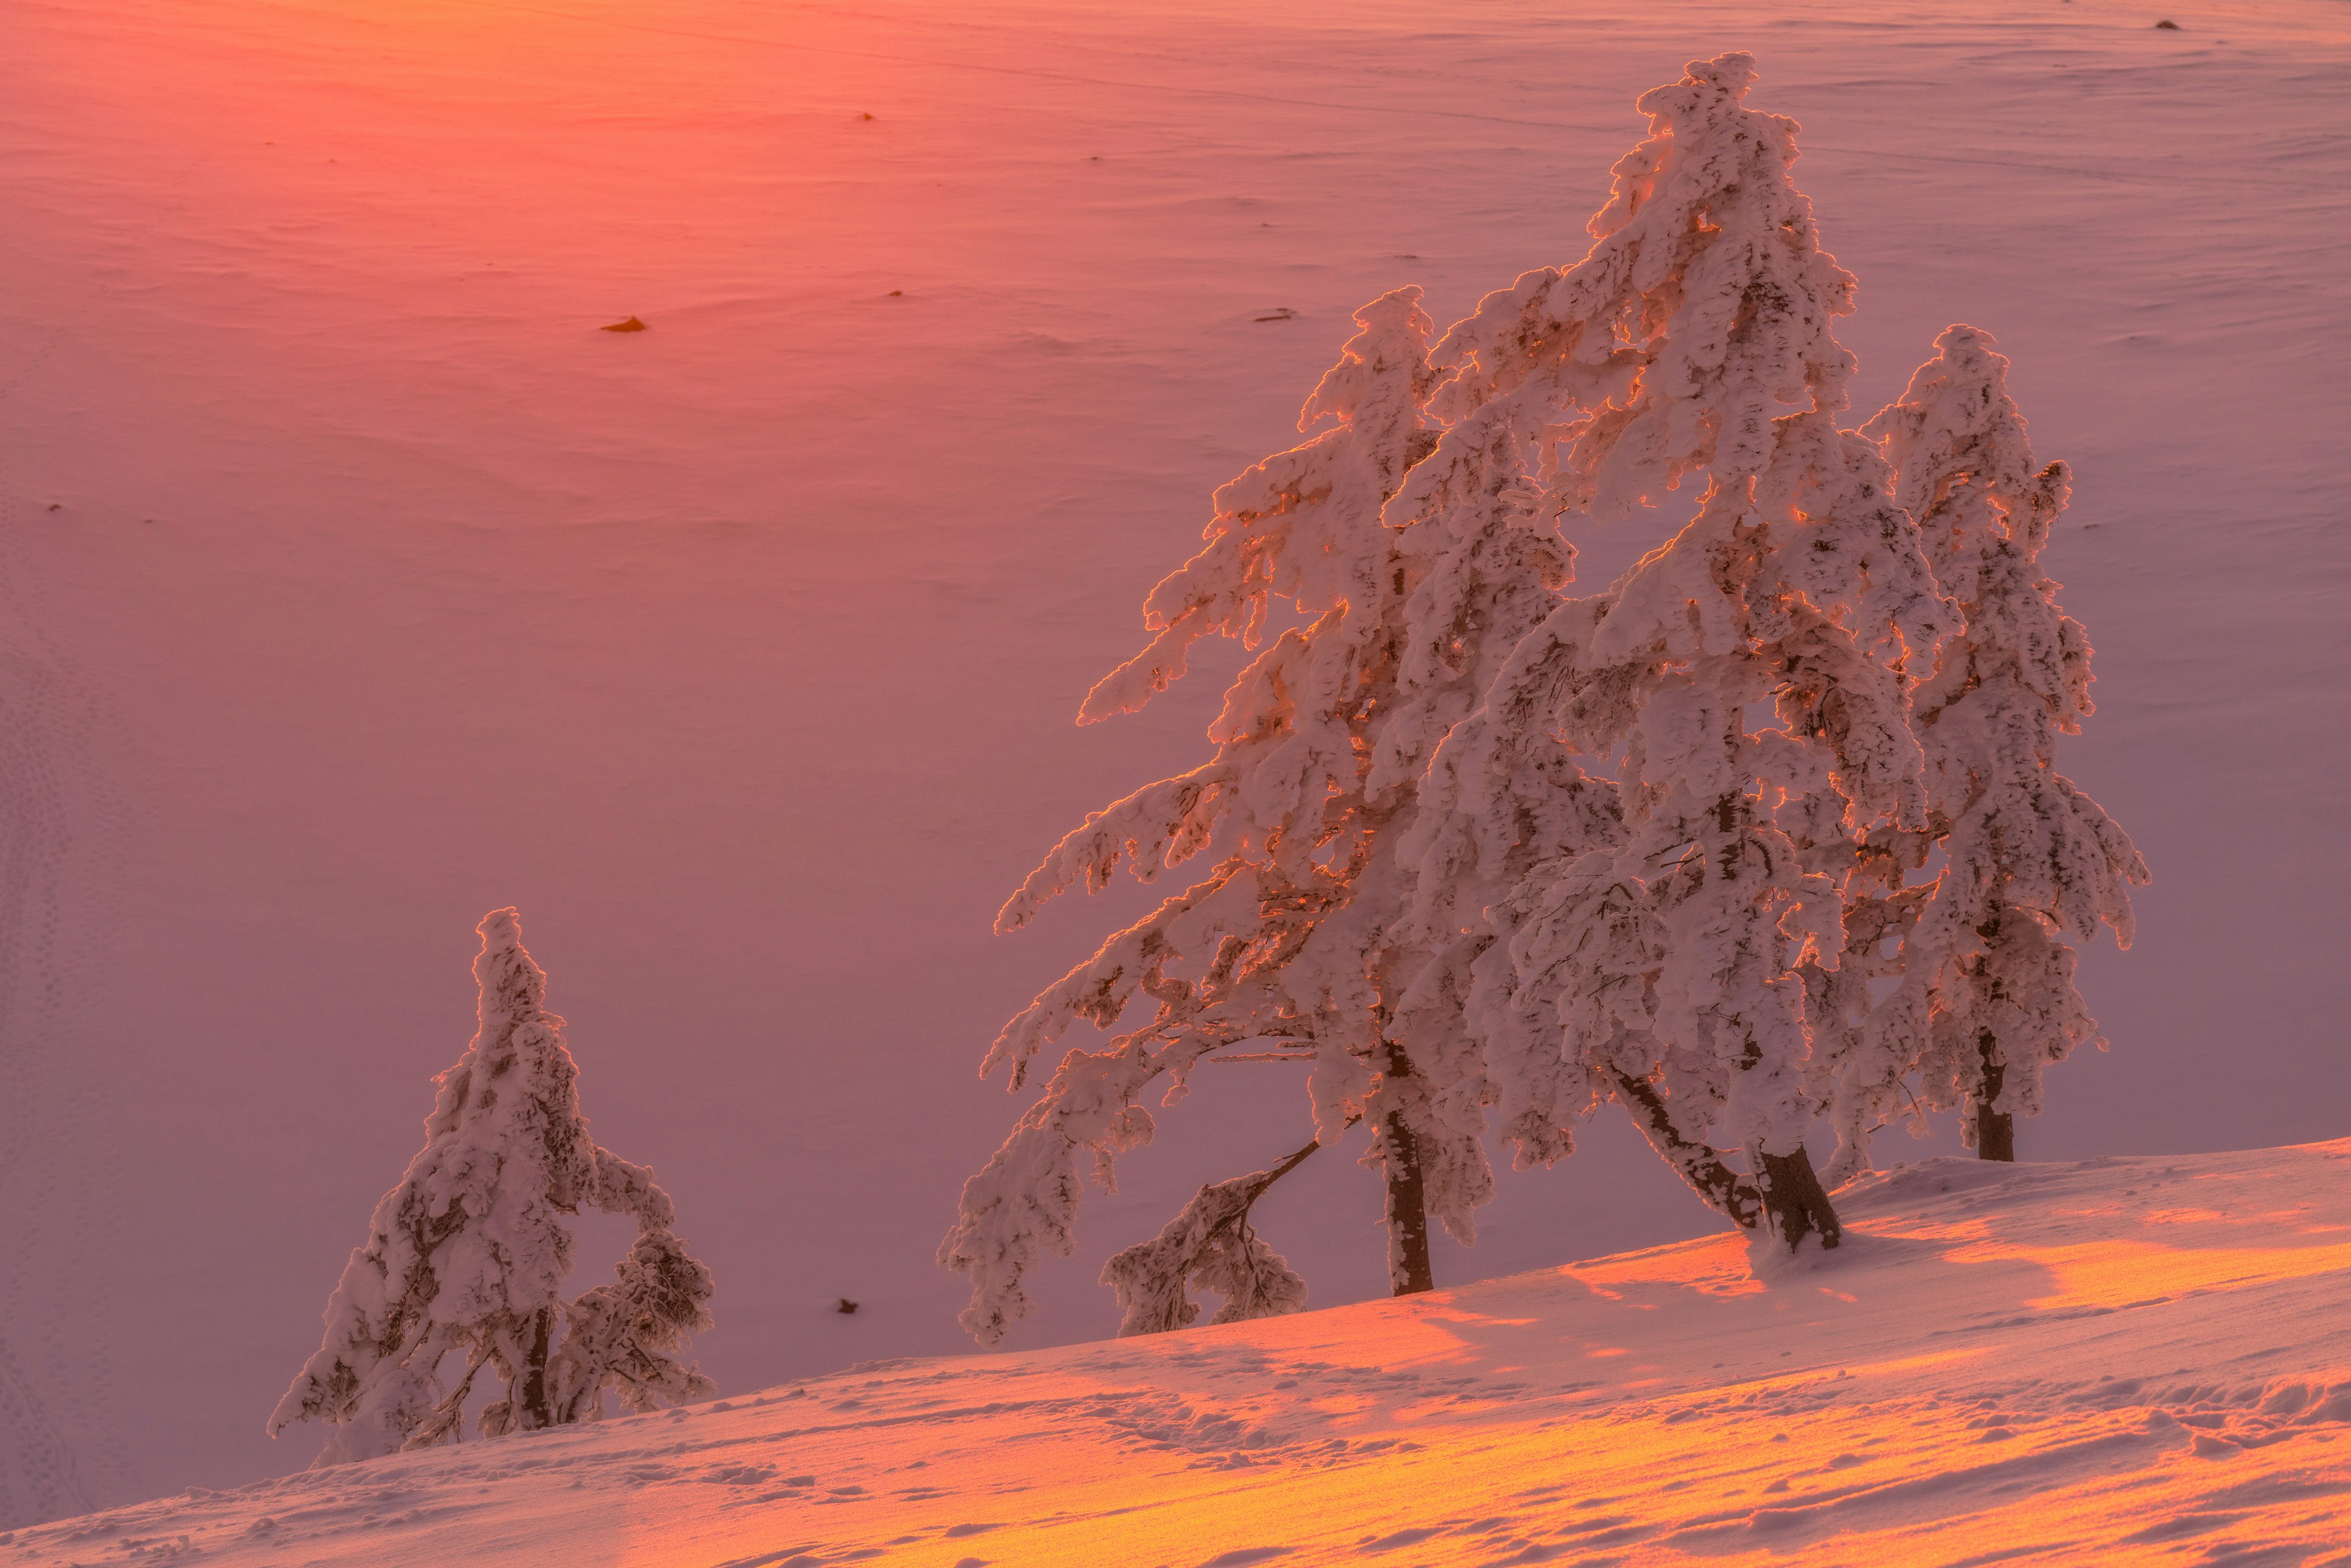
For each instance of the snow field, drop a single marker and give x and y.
(739, 654)
(2115, 1361)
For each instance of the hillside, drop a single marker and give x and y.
(2112, 1361)
(353, 583)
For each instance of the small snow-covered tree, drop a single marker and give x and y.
(1987, 999)
(1669, 962)
(1210, 1245)
(468, 1255)
(1293, 936)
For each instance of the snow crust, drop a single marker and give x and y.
(2116, 1360)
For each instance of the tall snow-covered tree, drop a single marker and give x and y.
(466, 1257)
(1293, 938)
(1668, 964)
(1987, 999)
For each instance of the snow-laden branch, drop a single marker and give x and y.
(1209, 1246)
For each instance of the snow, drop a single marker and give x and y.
(2104, 1361)
(742, 653)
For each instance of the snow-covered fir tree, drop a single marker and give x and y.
(466, 1257)
(1293, 938)
(1987, 999)
(1667, 965)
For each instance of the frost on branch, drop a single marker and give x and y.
(466, 1256)
(1669, 964)
(1988, 998)
(1210, 1245)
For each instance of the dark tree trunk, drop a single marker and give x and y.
(1784, 1193)
(533, 1407)
(1409, 1266)
(1724, 1191)
(1795, 1205)
(1995, 1129)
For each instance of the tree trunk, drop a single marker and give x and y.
(1784, 1193)
(1724, 1189)
(1795, 1205)
(533, 1407)
(1408, 1268)
(1995, 1129)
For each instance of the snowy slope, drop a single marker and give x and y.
(352, 584)
(2121, 1359)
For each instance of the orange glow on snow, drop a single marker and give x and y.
(1667, 1404)
(2122, 1272)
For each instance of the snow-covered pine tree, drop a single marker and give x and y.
(1695, 340)
(1292, 937)
(1988, 1000)
(468, 1255)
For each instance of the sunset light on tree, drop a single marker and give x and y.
(1327, 781)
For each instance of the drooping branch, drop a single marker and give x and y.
(1210, 1245)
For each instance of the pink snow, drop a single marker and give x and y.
(2056, 1363)
(353, 582)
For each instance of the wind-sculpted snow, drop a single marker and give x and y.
(2060, 1364)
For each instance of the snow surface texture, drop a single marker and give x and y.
(2118, 1361)
(741, 652)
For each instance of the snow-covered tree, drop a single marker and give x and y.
(1987, 999)
(468, 1255)
(1210, 1245)
(1293, 937)
(1668, 963)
